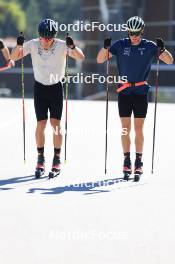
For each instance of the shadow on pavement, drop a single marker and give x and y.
(88, 188)
(17, 181)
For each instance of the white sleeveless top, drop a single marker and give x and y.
(47, 62)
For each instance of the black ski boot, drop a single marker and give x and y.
(40, 167)
(127, 169)
(138, 171)
(55, 167)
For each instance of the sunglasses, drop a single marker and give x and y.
(46, 39)
(137, 33)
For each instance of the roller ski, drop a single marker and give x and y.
(127, 169)
(55, 168)
(138, 171)
(40, 167)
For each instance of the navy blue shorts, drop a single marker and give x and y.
(48, 98)
(133, 103)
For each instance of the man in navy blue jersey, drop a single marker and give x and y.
(134, 56)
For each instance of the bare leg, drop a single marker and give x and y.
(57, 137)
(39, 134)
(40, 140)
(125, 137)
(57, 142)
(126, 142)
(139, 138)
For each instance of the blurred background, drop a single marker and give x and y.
(25, 15)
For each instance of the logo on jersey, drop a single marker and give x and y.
(50, 51)
(127, 51)
(141, 50)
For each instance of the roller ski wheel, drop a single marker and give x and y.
(40, 168)
(55, 168)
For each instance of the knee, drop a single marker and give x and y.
(56, 126)
(41, 124)
(54, 123)
(138, 129)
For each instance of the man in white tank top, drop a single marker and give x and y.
(48, 56)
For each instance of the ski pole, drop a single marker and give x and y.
(66, 120)
(155, 112)
(23, 105)
(107, 99)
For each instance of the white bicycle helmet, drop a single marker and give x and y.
(135, 24)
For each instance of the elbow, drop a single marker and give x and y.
(13, 58)
(79, 57)
(171, 61)
(168, 59)
(82, 57)
(99, 60)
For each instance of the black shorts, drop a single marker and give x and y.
(48, 97)
(138, 104)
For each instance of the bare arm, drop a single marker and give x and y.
(103, 55)
(16, 53)
(166, 57)
(74, 52)
(6, 53)
(77, 54)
